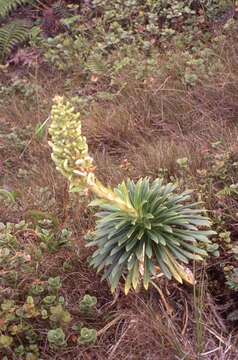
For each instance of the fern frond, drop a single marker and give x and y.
(60, 9)
(96, 65)
(6, 6)
(11, 35)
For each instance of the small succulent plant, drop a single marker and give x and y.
(87, 336)
(56, 337)
(87, 304)
(37, 289)
(5, 341)
(49, 300)
(59, 315)
(54, 283)
(231, 275)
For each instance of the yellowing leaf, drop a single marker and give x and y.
(5, 341)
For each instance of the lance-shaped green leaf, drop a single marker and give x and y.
(165, 233)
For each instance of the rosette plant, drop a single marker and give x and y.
(144, 227)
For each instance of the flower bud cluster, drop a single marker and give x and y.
(69, 147)
(70, 154)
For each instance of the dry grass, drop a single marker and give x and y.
(145, 129)
(137, 327)
(153, 124)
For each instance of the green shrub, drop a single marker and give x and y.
(165, 229)
(141, 226)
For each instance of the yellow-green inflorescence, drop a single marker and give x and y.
(69, 147)
(70, 154)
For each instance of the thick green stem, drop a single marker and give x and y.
(107, 194)
(70, 154)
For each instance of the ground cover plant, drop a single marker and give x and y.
(152, 86)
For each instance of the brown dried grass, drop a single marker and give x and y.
(147, 127)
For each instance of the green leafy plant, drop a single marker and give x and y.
(5, 341)
(231, 275)
(13, 139)
(28, 310)
(165, 231)
(38, 302)
(11, 35)
(22, 87)
(59, 315)
(51, 239)
(49, 300)
(143, 227)
(37, 289)
(14, 321)
(56, 337)
(113, 30)
(183, 163)
(87, 336)
(31, 356)
(87, 304)
(54, 283)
